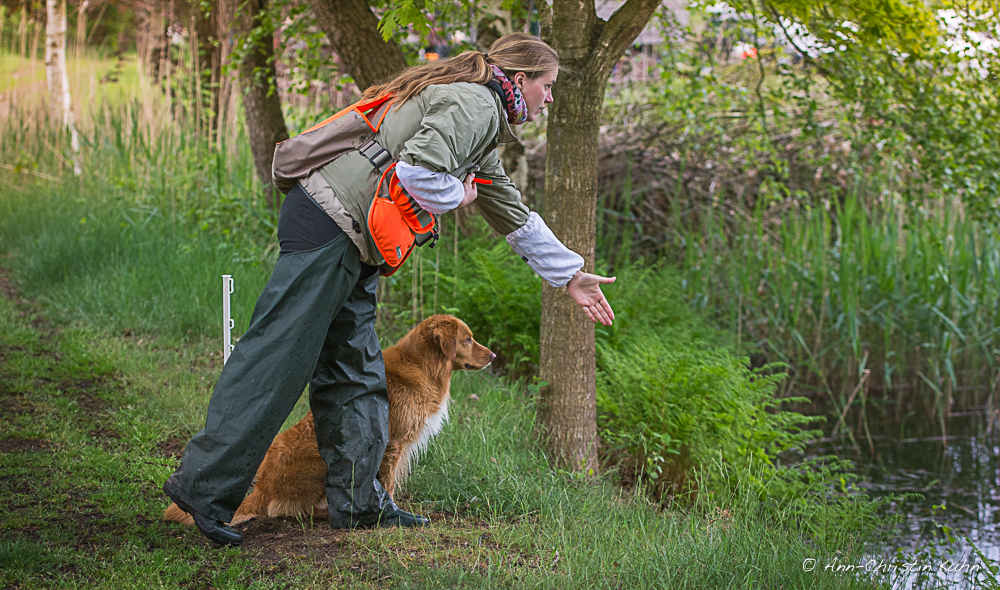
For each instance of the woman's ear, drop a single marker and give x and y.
(519, 79)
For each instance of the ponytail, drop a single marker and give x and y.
(517, 52)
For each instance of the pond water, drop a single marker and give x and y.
(958, 476)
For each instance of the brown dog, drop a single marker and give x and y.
(290, 481)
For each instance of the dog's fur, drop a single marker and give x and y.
(290, 481)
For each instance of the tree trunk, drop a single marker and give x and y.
(22, 30)
(148, 37)
(60, 103)
(208, 48)
(588, 48)
(56, 76)
(37, 29)
(567, 410)
(81, 26)
(265, 122)
(222, 22)
(352, 29)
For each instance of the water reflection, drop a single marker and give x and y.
(958, 476)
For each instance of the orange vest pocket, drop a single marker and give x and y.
(397, 223)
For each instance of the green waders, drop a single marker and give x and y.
(314, 323)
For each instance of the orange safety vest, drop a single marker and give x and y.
(396, 221)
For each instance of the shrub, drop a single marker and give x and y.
(681, 409)
(501, 301)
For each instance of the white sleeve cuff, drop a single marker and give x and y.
(535, 243)
(435, 192)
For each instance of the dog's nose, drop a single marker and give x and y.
(493, 355)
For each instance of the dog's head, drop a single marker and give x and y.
(456, 343)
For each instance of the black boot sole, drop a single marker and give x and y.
(209, 534)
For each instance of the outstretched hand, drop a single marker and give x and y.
(585, 289)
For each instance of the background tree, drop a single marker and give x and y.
(588, 48)
(60, 101)
(352, 29)
(254, 56)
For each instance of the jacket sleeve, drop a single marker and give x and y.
(451, 129)
(437, 192)
(529, 237)
(499, 202)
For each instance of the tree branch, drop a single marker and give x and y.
(621, 30)
(352, 29)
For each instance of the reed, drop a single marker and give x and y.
(894, 305)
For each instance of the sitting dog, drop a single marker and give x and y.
(290, 481)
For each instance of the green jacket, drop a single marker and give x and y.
(453, 128)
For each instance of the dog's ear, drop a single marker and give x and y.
(446, 334)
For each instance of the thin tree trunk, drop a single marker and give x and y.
(97, 21)
(208, 47)
(56, 75)
(147, 38)
(37, 26)
(22, 30)
(265, 122)
(81, 27)
(352, 29)
(55, 62)
(222, 24)
(588, 48)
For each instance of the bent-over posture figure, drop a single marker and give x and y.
(314, 323)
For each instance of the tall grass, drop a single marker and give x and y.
(138, 241)
(816, 237)
(896, 302)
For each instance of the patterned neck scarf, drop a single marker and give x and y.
(517, 110)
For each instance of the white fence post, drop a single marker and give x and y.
(227, 320)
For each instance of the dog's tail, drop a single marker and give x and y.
(252, 507)
(174, 514)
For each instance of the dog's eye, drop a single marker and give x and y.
(468, 340)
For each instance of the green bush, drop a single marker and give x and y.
(500, 299)
(683, 410)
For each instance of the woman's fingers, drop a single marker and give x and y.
(471, 191)
(585, 289)
(606, 312)
(602, 313)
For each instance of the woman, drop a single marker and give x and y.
(314, 322)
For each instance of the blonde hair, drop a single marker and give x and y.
(517, 52)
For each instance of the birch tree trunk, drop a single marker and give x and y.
(60, 103)
(588, 49)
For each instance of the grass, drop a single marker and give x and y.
(90, 420)
(127, 259)
(93, 81)
(900, 299)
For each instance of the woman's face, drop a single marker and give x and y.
(537, 91)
